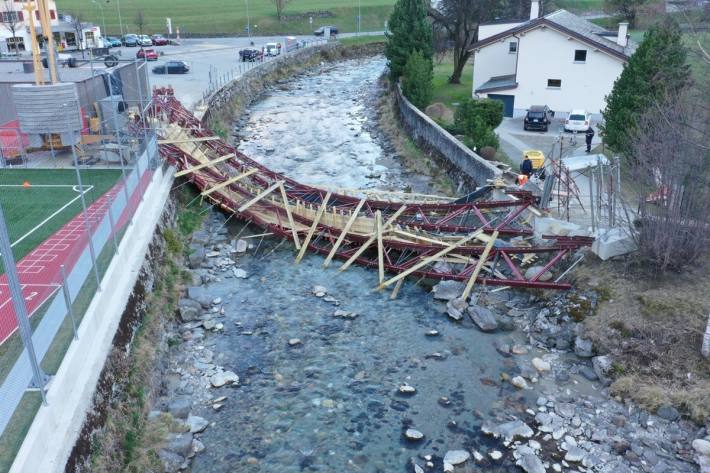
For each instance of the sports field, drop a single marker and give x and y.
(37, 202)
(217, 17)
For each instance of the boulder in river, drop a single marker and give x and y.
(447, 290)
(224, 377)
(583, 347)
(413, 434)
(189, 309)
(483, 317)
(456, 457)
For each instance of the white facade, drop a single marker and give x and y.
(545, 66)
(13, 14)
(490, 29)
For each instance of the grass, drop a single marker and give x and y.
(450, 94)
(581, 6)
(16, 430)
(355, 40)
(216, 17)
(24, 208)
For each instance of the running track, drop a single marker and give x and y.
(39, 271)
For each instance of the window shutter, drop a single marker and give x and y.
(37, 14)
(53, 14)
(20, 16)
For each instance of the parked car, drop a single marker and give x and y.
(272, 49)
(147, 54)
(321, 31)
(130, 40)
(538, 117)
(578, 121)
(144, 40)
(250, 55)
(172, 67)
(112, 42)
(159, 40)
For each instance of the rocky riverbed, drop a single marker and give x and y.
(278, 367)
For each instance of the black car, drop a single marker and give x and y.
(538, 117)
(172, 67)
(249, 55)
(321, 31)
(130, 40)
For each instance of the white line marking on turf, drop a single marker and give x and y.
(88, 188)
(39, 185)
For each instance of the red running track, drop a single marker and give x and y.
(39, 271)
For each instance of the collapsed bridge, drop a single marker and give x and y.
(483, 238)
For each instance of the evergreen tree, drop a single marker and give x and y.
(656, 71)
(408, 31)
(417, 79)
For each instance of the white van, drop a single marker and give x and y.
(272, 49)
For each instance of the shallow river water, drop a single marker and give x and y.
(330, 402)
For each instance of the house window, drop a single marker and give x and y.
(10, 17)
(580, 55)
(52, 14)
(554, 83)
(513, 47)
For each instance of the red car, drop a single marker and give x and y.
(159, 40)
(147, 54)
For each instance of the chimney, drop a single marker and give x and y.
(534, 9)
(621, 37)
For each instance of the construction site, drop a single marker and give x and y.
(283, 294)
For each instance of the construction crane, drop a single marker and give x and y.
(42, 7)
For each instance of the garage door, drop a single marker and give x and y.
(508, 102)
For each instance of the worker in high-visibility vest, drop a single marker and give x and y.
(522, 179)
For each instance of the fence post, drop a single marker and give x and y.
(113, 226)
(86, 217)
(18, 301)
(67, 301)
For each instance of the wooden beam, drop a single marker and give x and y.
(396, 289)
(427, 260)
(309, 235)
(260, 196)
(232, 180)
(380, 248)
(294, 233)
(479, 266)
(344, 232)
(372, 238)
(188, 140)
(204, 165)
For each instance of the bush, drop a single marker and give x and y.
(488, 153)
(477, 119)
(417, 80)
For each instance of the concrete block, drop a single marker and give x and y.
(553, 226)
(613, 242)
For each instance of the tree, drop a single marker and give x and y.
(280, 6)
(77, 23)
(657, 70)
(139, 21)
(10, 19)
(417, 79)
(461, 19)
(624, 8)
(477, 118)
(408, 31)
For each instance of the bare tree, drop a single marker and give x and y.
(140, 21)
(671, 151)
(77, 23)
(280, 6)
(10, 19)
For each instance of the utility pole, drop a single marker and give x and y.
(103, 18)
(248, 19)
(359, 15)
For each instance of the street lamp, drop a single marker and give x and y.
(118, 7)
(248, 20)
(103, 18)
(359, 15)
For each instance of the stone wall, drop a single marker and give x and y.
(429, 135)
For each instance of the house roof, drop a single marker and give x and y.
(573, 25)
(498, 83)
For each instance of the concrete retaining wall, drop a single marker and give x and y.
(429, 135)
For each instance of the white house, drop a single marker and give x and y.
(559, 60)
(15, 29)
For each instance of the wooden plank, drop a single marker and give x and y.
(188, 140)
(224, 184)
(309, 235)
(260, 196)
(479, 265)
(344, 232)
(380, 248)
(372, 238)
(204, 165)
(427, 260)
(289, 215)
(396, 289)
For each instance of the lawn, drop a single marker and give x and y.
(450, 94)
(581, 6)
(26, 207)
(217, 17)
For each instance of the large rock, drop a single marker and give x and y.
(180, 407)
(172, 462)
(530, 463)
(189, 309)
(197, 424)
(583, 347)
(602, 368)
(196, 256)
(447, 290)
(200, 237)
(180, 444)
(533, 271)
(224, 377)
(483, 318)
(456, 457)
(413, 434)
(509, 430)
(456, 308)
(668, 412)
(199, 294)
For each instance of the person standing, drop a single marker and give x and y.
(588, 136)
